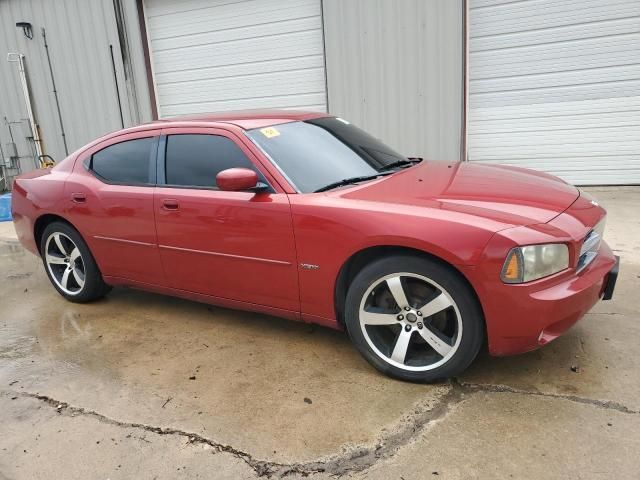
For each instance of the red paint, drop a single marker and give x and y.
(236, 179)
(243, 249)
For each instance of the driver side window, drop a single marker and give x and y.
(194, 160)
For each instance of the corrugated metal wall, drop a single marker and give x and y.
(555, 85)
(395, 68)
(79, 33)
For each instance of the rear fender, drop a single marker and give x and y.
(34, 194)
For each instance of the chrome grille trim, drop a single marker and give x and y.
(589, 249)
(585, 260)
(591, 242)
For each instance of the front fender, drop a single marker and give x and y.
(327, 236)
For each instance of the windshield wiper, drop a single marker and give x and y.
(401, 163)
(349, 181)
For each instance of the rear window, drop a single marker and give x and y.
(127, 162)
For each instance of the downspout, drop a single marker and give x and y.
(19, 59)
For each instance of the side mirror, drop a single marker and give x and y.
(238, 179)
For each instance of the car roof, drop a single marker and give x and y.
(247, 119)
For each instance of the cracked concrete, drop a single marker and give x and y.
(606, 404)
(146, 386)
(507, 435)
(355, 458)
(37, 442)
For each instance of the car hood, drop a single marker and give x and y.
(510, 195)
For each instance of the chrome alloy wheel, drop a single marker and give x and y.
(65, 263)
(410, 321)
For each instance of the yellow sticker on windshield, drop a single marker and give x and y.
(269, 132)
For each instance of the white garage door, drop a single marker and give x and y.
(555, 85)
(215, 55)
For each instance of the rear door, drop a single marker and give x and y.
(231, 245)
(110, 201)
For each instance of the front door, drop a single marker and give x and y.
(232, 245)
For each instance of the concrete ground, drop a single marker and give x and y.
(144, 386)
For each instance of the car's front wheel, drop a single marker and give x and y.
(69, 264)
(413, 318)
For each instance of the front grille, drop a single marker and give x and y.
(590, 246)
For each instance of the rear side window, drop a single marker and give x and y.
(195, 160)
(127, 162)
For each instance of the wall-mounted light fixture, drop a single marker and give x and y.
(26, 29)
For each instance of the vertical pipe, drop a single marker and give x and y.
(115, 80)
(16, 163)
(19, 58)
(3, 170)
(324, 55)
(131, 90)
(8, 124)
(55, 93)
(464, 140)
(147, 59)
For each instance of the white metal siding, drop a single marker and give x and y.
(394, 68)
(231, 55)
(555, 86)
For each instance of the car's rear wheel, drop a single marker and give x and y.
(69, 264)
(413, 318)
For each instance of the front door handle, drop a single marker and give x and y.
(170, 204)
(78, 197)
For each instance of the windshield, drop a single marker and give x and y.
(319, 152)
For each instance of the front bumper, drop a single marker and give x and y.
(524, 317)
(612, 278)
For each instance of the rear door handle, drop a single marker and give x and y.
(78, 197)
(170, 204)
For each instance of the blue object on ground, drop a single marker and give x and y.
(5, 207)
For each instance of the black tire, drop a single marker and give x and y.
(465, 310)
(94, 286)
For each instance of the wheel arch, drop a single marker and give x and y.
(43, 221)
(358, 260)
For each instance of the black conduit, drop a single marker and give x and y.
(55, 94)
(115, 80)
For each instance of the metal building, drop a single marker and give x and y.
(547, 84)
(95, 94)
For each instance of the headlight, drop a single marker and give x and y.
(524, 264)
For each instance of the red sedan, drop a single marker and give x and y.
(305, 216)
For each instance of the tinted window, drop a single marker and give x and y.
(126, 162)
(319, 152)
(195, 160)
(372, 150)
